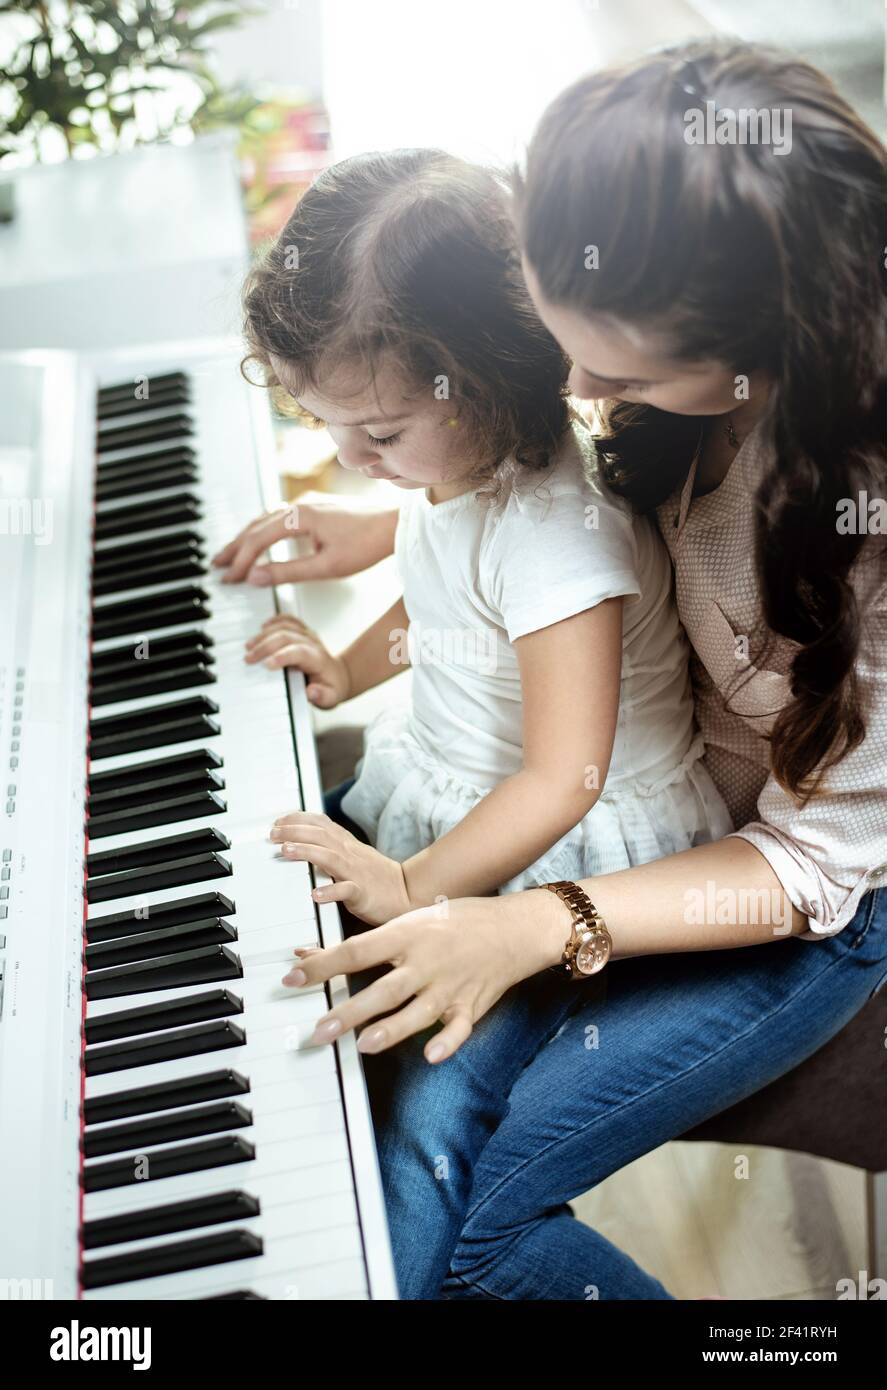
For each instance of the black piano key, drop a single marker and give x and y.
(137, 658)
(168, 1128)
(144, 483)
(146, 516)
(166, 812)
(133, 519)
(153, 877)
(141, 670)
(136, 773)
(165, 735)
(212, 931)
(153, 460)
(110, 551)
(116, 658)
(171, 1259)
(171, 1013)
(204, 779)
(165, 1095)
(118, 390)
(181, 567)
(127, 555)
(132, 571)
(109, 861)
(174, 613)
(139, 608)
(163, 399)
(108, 724)
(178, 426)
(123, 555)
(173, 1216)
(168, 1163)
(141, 686)
(170, 609)
(126, 1053)
(168, 914)
(208, 965)
(129, 560)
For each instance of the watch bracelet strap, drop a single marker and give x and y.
(582, 908)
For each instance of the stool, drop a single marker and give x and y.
(834, 1105)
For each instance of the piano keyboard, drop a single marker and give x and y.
(219, 1159)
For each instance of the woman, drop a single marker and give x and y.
(727, 305)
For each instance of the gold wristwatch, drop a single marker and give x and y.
(590, 944)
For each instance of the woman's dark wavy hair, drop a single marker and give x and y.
(411, 257)
(760, 261)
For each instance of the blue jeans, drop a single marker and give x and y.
(562, 1084)
(332, 805)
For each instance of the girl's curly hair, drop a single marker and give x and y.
(410, 258)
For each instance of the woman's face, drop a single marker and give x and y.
(613, 361)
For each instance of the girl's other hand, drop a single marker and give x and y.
(285, 641)
(369, 883)
(346, 539)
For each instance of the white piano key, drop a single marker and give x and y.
(310, 1160)
(292, 1267)
(331, 1279)
(259, 987)
(267, 889)
(296, 1213)
(268, 741)
(285, 1061)
(305, 1090)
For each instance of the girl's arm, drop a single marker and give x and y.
(570, 674)
(378, 653)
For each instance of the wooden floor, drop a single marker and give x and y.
(789, 1230)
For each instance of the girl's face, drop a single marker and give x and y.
(613, 361)
(411, 441)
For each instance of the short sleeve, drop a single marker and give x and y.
(551, 555)
(830, 852)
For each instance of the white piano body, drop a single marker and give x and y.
(306, 1216)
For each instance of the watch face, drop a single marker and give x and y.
(592, 955)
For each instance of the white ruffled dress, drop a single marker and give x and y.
(477, 577)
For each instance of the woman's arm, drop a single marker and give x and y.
(710, 898)
(570, 698)
(453, 962)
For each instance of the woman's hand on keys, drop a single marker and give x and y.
(450, 963)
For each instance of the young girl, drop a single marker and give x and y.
(551, 731)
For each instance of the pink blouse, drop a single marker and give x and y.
(833, 850)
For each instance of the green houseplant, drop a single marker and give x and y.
(112, 73)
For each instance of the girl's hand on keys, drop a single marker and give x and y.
(370, 884)
(286, 641)
(346, 538)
